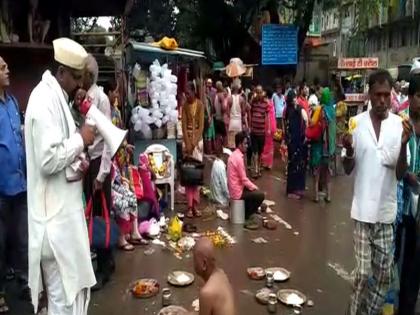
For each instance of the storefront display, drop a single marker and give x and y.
(156, 101)
(156, 80)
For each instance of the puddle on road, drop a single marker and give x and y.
(341, 272)
(276, 218)
(247, 292)
(278, 178)
(259, 240)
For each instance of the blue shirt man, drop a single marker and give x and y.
(12, 153)
(13, 202)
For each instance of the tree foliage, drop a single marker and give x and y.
(366, 9)
(219, 26)
(83, 24)
(155, 18)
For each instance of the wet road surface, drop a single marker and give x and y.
(317, 250)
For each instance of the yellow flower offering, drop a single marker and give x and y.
(278, 135)
(352, 125)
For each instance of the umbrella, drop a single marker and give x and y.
(236, 68)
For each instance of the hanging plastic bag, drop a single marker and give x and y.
(137, 125)
(175, 229)
(154, 228)
(147, 132)
(137, 71)
(174, 78)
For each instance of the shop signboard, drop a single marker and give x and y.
(358, 63)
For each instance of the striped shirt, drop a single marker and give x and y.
(259, 110)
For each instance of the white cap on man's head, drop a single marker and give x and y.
(69, 53)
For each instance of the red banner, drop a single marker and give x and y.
(358, 63)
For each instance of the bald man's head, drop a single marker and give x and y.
(204, 258)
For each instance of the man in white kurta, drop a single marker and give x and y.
(218, 182)
(58, 239)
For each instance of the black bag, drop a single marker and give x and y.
(192, 173)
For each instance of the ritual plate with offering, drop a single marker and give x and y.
(256, 273)
(291, 297)
(262, 295)
(279, 274)
(145, 288)
(220, 238)
(180, 278)
(173, 310)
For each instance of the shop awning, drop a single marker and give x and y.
(138, 47)
(314, 42)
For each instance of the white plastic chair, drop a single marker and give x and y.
(170, 178)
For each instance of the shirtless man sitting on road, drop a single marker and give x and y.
(216, 296)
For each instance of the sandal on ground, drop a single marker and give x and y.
(190, 213)
(197, 213)
(251, 225)
(127, 247)
(4, 308)
(138, 241)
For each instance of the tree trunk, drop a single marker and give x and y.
(304, 22)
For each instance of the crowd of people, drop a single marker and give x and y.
(311, 120)
(58, 166)
(381, 153)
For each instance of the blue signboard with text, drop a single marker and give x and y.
(279, 44)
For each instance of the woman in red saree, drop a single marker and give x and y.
(267, 156)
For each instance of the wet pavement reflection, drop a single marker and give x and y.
(317, 250)
(319, 244)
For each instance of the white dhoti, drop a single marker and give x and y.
(54, 285)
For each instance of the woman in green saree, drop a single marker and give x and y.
(323, 150)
